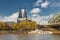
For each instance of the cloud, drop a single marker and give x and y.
(42, 20)
(42, 4)
(45, 4)
(11, 18)
(38, 2)
(56, 4)
(35, 10)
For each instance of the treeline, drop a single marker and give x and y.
(23, 25)
(3, 25)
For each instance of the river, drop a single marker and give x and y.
(29, 37)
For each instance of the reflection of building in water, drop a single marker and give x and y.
(22, 15)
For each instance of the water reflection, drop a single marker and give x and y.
(29, 37)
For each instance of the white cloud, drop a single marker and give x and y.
(35, 10)
(38, 2)
(56, 4)
(45, 4)
(41, 19)
(34, 15)
(11, 18)
(42, 4)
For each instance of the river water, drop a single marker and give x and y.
(29, 37)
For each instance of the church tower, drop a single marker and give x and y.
(22, 15)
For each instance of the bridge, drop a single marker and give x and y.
(55, 20)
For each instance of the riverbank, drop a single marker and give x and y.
(56, 32)
(40, 32)
(12, 32)
(29, 32)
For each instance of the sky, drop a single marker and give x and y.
(37, 10)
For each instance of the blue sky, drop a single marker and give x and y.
(41, 8)
(7, 7)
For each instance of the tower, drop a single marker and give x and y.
(22, 15)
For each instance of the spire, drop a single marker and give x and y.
(19, 15)
(25, 14)
(22, 15)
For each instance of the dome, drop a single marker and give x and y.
(55, 18)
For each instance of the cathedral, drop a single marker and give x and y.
(22, 15)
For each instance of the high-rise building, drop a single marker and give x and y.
(22, 15)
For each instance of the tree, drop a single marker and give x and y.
(25, 25)
(3, 25)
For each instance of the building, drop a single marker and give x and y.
(22, 15)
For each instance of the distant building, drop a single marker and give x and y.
(22, 15)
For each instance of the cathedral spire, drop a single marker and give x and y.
(19, 15)
(22, 15)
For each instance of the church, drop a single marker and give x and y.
(22, 15)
